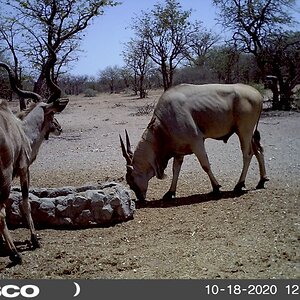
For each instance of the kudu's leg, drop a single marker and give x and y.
(259, 154)
(177, 162)
(199, 151)
(14, 255)
(24, 179)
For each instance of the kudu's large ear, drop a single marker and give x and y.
(60, 105)
(57, 106)
(127, 153)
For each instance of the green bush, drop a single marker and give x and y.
(90, 93)
(260, 87)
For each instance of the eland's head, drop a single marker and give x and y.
(138, 171)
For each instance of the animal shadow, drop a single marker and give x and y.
(189, 200)
(22, 246)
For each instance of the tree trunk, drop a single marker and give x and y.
(141, 87)
(22, 103)
(275, 102)
(285, 96)
(261, 64)
(38, 85)
(165, 75)
(112, 87)
(272, 83)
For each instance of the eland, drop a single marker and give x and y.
(183, 118)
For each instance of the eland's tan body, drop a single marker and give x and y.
(183, 118)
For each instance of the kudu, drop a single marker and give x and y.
(20, 140)
(183, 118)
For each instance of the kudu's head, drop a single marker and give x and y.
(44, 111)
(45, 108)
(55, 128)
(136, 177)
(51, 124)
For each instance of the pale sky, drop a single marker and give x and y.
(103, 42)
(104, 39)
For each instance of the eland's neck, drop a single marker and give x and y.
(150, 153)
(144, 156)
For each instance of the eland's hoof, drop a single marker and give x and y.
(34, 242)
(216, 189)
(239, 187)
(169, 195)
(261, 184)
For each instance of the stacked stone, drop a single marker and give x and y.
(70, 207)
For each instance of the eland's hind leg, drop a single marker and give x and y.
(245, 137)
(259, 154)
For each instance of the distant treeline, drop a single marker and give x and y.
(222, 66)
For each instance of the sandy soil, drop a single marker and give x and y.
(196, 235)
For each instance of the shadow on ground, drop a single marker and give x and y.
(189, 200)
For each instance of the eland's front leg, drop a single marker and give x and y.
(24, 179)
(177, 162)
(199, 150)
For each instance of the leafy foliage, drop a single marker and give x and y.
(259, 27)
(90, 93)
(169, 35)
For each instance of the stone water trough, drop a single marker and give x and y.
(71, 207)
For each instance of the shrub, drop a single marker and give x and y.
(90, 93)
(146, 109)
(259, 87)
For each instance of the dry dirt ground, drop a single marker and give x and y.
(197, 235)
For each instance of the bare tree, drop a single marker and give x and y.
(222, 60)
(283, 56)
(5, 90)
(73, 85)
(8, 32)
(137, 59)
(168, 31)
(111, 76)
(199, 45)
(56, 23)
(253, 23)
